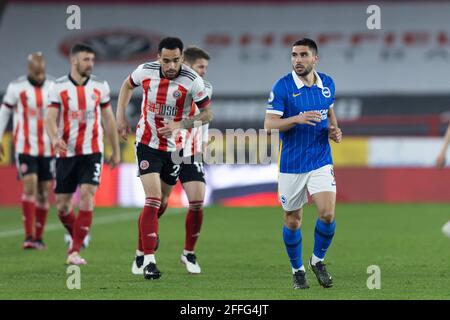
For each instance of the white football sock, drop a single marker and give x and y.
(301, 268)
(139, 253)
(185, 252)
(149, 258)
(315, 259)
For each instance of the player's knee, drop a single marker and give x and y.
(42, 197)
(327, 216)
(63, 207)
(293, 221)
(196, 205)
(86, 201)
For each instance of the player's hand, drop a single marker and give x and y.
(114, 160)
(2, 151)
(169, 128)
(59, 145)
(335, 134)
(440, 161)
(123, 127)
(309, 117)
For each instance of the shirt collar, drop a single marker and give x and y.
(300, 83)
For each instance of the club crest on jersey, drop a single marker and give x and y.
(201, 93)
(326, 92)
(144, 165)
(177, 94)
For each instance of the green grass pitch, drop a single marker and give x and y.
(241, 254)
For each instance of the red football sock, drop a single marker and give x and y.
(41, 219)
(149, 224)
(194, 219)
(81, 228)
(28, 214)
(140, 244)
(67, 220)
(162, 209)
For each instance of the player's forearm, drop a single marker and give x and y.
(205, 116)
(5, 114)
(112, 134)
(110, 126)
(332, 118)
(50, 124)
(279, 123)
(124, 99)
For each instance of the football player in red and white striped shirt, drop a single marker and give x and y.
(169, 89)
(27, 99)
(82, 103)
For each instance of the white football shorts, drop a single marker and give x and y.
(292, 187)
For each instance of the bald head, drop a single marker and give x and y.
(36, 67)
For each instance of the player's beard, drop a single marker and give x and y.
(86, 73)
(171, 74)
(306, 71)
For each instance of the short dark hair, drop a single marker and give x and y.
(170, 43)
(192, 53)
(81, 47)
(308, 43)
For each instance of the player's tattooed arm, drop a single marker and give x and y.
(205, 116)
(123, 126)
(334, 132)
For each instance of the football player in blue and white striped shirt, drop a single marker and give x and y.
(300, 106)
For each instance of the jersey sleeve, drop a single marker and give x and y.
(277, 99)
(105, 99)
(136, 76)
(332, 90)
(53, 96)
(209, 89)
(199, 94)
(11, 98)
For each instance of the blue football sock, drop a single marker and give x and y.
(293, 242)
(322, 237)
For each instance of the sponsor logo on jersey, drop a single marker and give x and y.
(162, 109)
(323, 113)
(271, 97)
(283, 199)
(82, 115)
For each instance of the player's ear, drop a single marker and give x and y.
(73, 58)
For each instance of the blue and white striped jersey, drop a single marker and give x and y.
(303, 148)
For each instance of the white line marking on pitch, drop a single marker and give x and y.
(96, 222)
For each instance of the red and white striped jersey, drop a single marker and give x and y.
(191, 140)
(29, 103)
(80, 113)
(165, 100)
